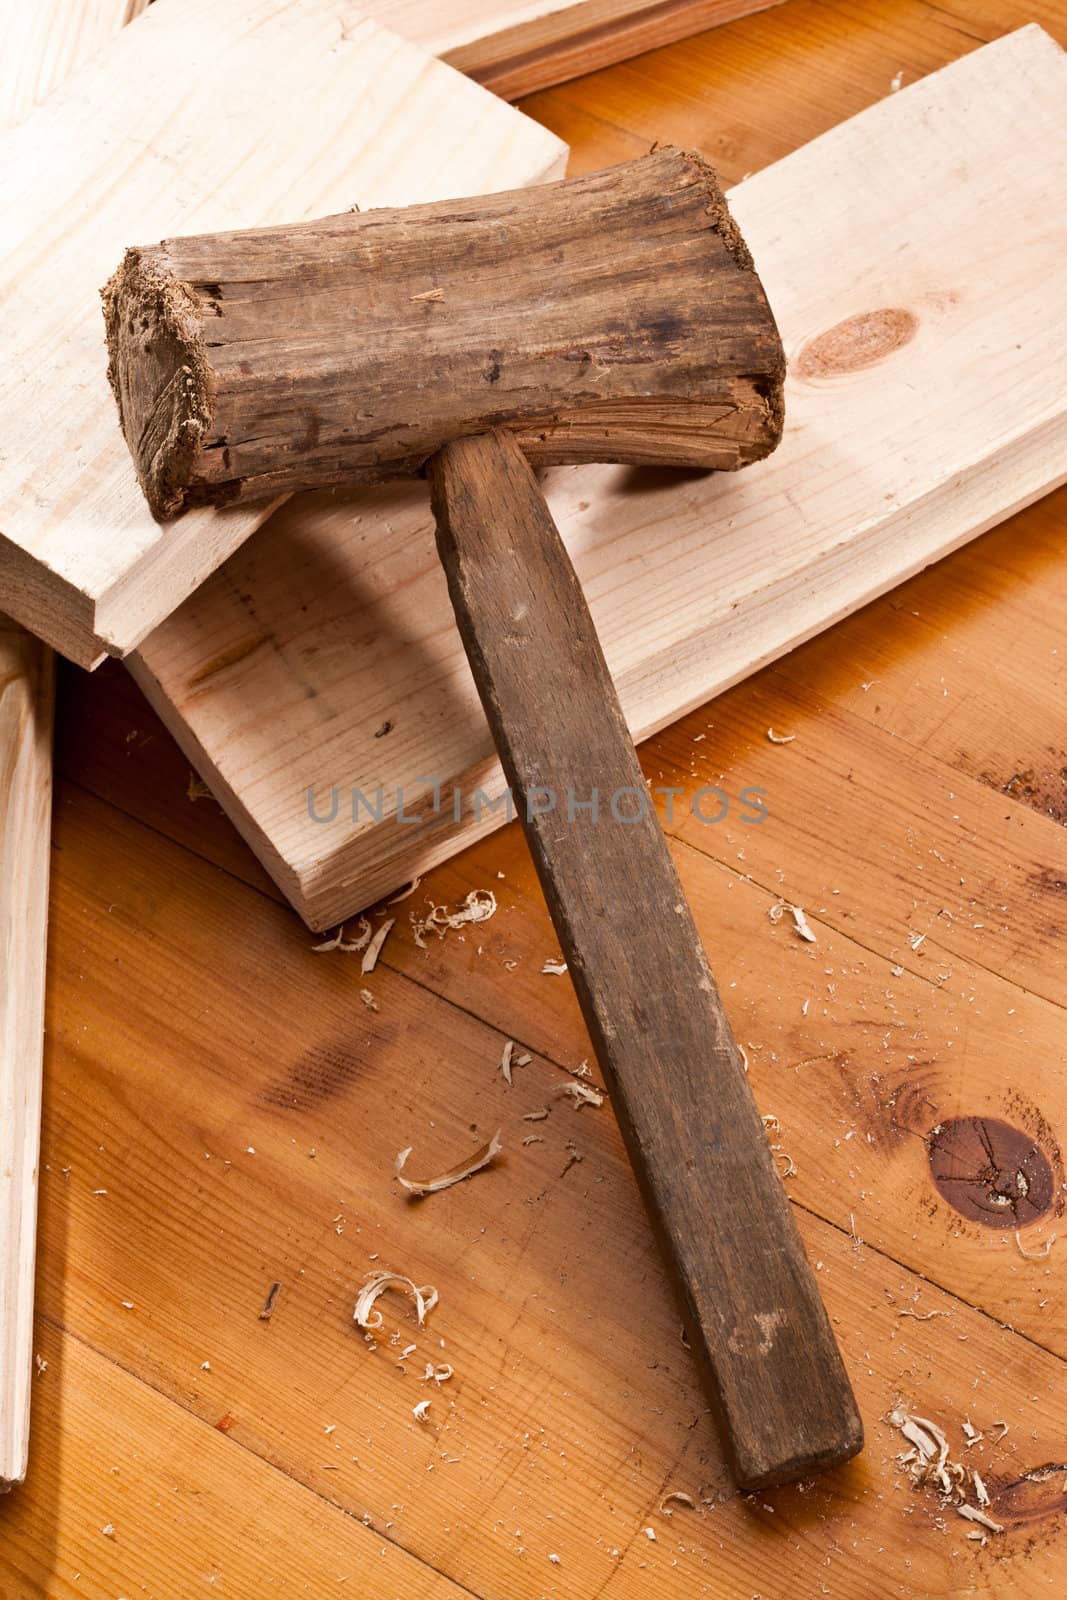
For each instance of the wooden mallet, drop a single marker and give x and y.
(615, 317)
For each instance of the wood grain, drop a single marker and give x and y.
(517, 46)
(575, 1396)
(659, 1029)
(26, 680)
(349, 349)
(904, 339)
(82, 561)
(42, 43)
(573, 1408)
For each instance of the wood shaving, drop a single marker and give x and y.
(368, 1000)
(780, 738)
(581, 1094)
(800, 921)
(429, 294)
(374, 949)
(419, 1411)
(338, 941)
(268, 1304)
(376, 1283)
(479, 906)
(437, 1374)
(1003, 1426)
(682, 1498)
(534, 1138)
(980, 1490)
(923, 1316)
(536, 1116)
(196, 788)
(505, 1062)
(404, 893)
(787, 1167)
(974, 1515)
(928, 1459)
(465, 1169)
(1034, 1255)
(554, 969)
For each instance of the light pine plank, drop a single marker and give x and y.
(43, 41)
(26, 684)
(573, 1407)
(243, 112)
(937, 413)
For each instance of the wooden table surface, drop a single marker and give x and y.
(223, 1113)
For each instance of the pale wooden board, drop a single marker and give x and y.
(26, 678)
(516, 46)
(947, 202)
(43, 41)
(202, 114)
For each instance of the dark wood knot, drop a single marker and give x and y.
(990, 1172)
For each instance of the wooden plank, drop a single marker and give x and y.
(234, 1034)
(518, 46)
(82, 562)
(26, 686)
(899, 447)
(42, 43)
(129, 1493)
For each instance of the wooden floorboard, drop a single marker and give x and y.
(189, 1020)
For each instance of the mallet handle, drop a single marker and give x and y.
(657, 1022)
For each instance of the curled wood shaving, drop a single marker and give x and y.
(927, 1461)
(536, 1116)
(581, 1094)
(376, 1283)
(800, 921)
(682, 1498)
(555, 969)
(197, 789)
(479, 906)
(1003, 1426)
(1034, 1255)
(505, 1061)
(925, 1316)
(787, 1167)
(780, 738)
(534, 1138)
(980, 1490)
(374, 949)
(338, 941)
(974, 1515)
(437, 1374)
(404, 893)
(419, 1411)
(465, 1169)
(368, 1000)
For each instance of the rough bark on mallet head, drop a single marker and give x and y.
(614, 317)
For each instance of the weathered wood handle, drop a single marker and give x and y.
(661, 1036)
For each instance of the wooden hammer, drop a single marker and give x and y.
(614, 317)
